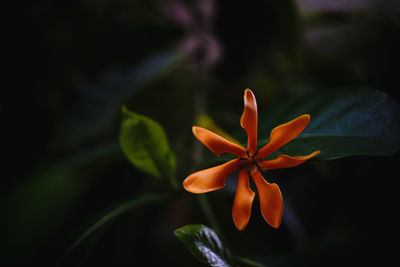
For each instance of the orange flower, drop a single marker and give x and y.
(249, 162)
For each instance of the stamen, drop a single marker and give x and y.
(253, 168)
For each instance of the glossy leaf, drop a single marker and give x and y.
(204, 244)
(145, 144)
(343, 123)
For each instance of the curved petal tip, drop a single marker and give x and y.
(284, 133)
(249, 120)
(271, 201)
(241, 209)
(210, 179)
(216, 143)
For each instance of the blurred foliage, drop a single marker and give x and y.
(347, 122)
(145, 144)
(78, 62)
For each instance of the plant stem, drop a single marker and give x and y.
(205, 206)
(200, 104)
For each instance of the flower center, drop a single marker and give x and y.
(250, 163)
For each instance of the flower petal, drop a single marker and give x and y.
(249, 120)
(285, 161)
(283, 133)
(210, 179)
(241, 209)
(271, 202)
(216, 143)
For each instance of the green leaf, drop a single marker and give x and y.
(145, 144)
(343, 123)
(204, 244)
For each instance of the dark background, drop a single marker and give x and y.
(75, 63)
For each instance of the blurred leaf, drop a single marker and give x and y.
(37, 207)
(208, 123)
(343, 123)
(334, 147)
(204, 244)
(81, 247)
(96, 103)
(145, 144)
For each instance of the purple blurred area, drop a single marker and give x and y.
(310, 6)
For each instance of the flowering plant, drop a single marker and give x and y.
(249, 162)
